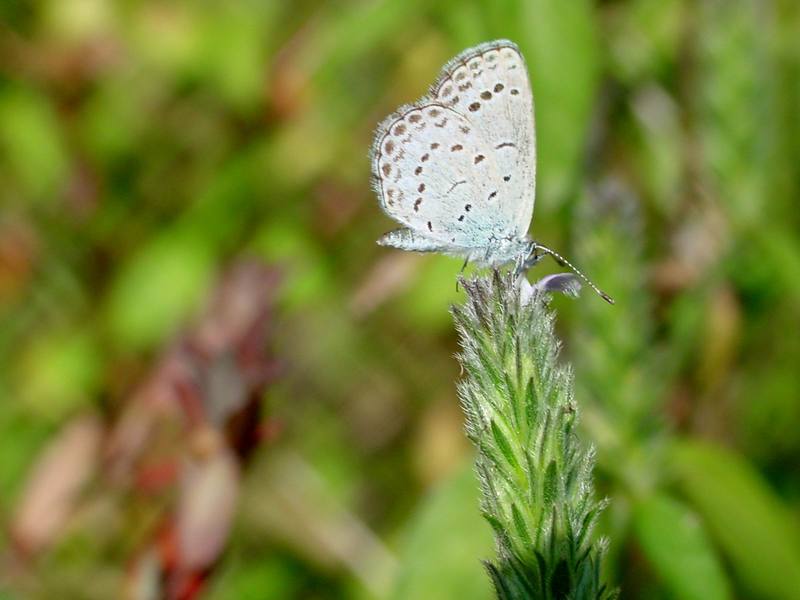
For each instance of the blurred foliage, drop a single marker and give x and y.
(146, 146)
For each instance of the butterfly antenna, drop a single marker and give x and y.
(565, 263)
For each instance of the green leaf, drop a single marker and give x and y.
(31, 141)
(559, 43)
(677, 546)
(445, 542)
(745, 517)
(158, 289)
(521, 526)
(422, 303)
(735, 92)
(59, 372)
(550, 490)
(504, 446)
(259, 577)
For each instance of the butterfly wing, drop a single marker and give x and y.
(431, 174)
(457, 167)
(489, 85)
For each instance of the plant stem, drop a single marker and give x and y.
(535, 474)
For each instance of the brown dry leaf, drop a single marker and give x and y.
(390, 275)
(54, 485)
(238, 304)
(206, 506)
(439, 443)
(143, 581)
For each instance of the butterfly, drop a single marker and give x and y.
(457, 168)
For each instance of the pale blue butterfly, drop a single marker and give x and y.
(457, 168)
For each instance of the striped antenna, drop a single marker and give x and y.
(565, 263)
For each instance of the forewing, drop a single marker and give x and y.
(436, 175)
(489, 85)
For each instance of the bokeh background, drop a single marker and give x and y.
(215, 385)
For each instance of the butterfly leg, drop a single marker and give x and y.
(520, 266)
(464, 266)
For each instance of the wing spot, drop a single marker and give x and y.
(434, 112)
(493, 194)
(479, 158)
(477, 74)
(425, 157)
(386, 168)
(441, 123)
(507, 178)
(514, 91)
(460, 75)
(487, 95)
(464, 129)
(504, 144)
(415, 118)
(461, 218)
(468, 207)
(511, 67)
(456, 148)
(447, 91)
(400, 129)
(454, 100)
(389, 147)
(434, 145)
(453, 240)
(418, 170)
(498, 88)
(430, 227)
(474, 66)
(417, 202)
(421, 188)
(465, 87)
(474, 106)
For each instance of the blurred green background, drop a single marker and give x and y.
(215, 385)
